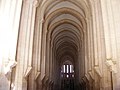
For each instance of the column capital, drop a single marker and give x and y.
(111, 65)
(41, 20)
(91, 74)
(98, 71)
(86, 77)
(28, 70)
(9, 66)
(45, 79)
(32, 2)
(36, 3)
(37, 75)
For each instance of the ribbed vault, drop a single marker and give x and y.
(64, 31)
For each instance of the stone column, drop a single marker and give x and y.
(10, 11)
(34, 53)
(97, 39)
(38, 49)
(116, 42)
(109, 14)
(90, 48)
(43, 51)
(48, 62)
(25, 44)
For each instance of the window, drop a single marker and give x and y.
(64, 68)
(70, 68)
(67, 71)
(67, 68)
(67, 76)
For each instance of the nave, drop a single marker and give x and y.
(59, 45)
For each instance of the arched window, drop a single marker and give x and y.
(67, 76)
(67, 70)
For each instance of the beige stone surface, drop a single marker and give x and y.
(39, 37)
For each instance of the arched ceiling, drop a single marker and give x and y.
(65, 24)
